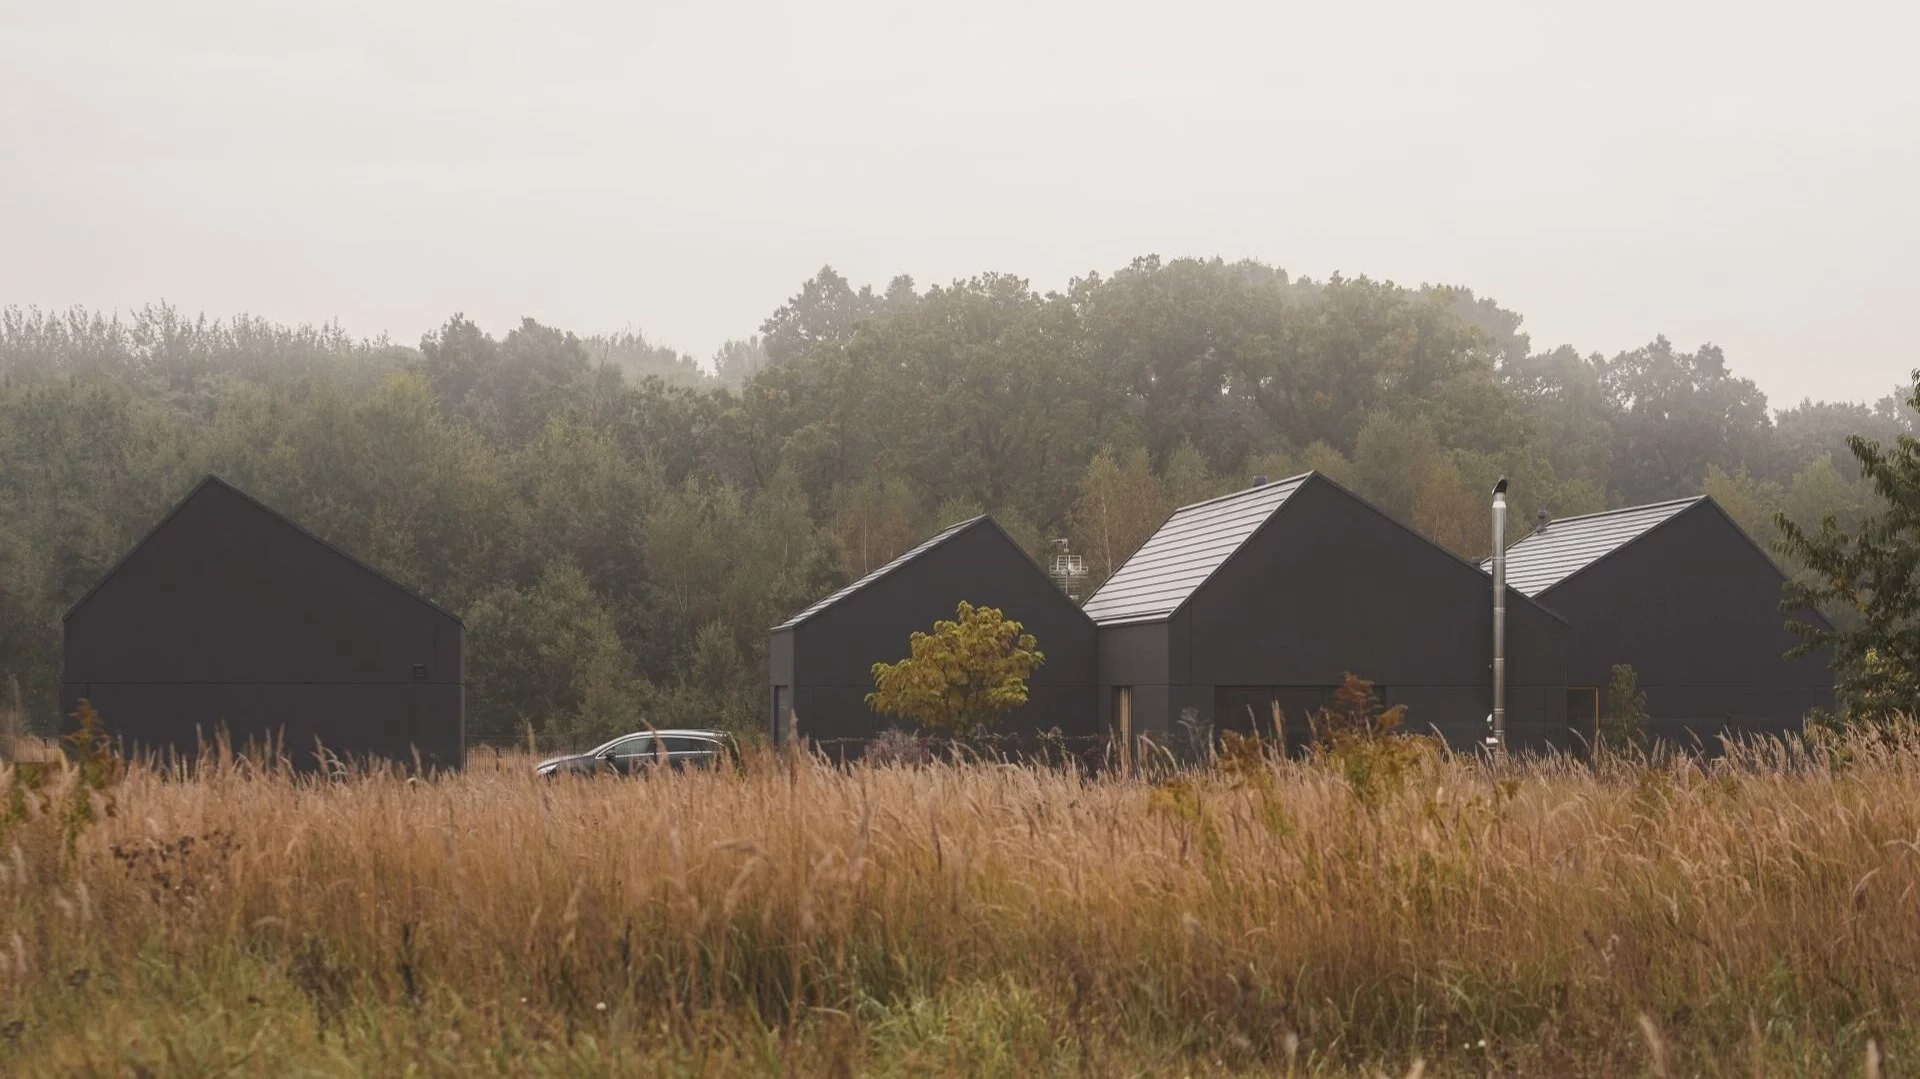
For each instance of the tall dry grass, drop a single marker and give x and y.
(1759, 915)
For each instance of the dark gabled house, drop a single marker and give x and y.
(230, 617)
(1679, 592)
(821, 660)
(1267, 597)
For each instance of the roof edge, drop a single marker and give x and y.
(1688, 505)
(806, 614)
(1298, 476)
(1079, 609)
(1609, 513)
(214, 480)
(1304, 479)
(1300, 482)
(1762, 551)
(1301, 478)
(1697, 501)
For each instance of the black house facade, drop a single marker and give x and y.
(821, 660)
(228, 616)
(1268, 597)
(1679, 592)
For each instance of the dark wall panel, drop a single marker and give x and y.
(1180, 641)
(780, 659)
(1741, 706)
(350, 720)
(1151, 707)
(226, 591)
(1710, 738)
(1134, 655)
(1331, 586)
(1456, 713)
(839, 645)
(1694, 608)
(1459, 713)
(833, 652)
(836, 719)
(1189, 707)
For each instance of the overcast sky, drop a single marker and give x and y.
(1741, 173)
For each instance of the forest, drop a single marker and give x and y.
(619, 523)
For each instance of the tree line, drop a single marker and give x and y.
(619, 524)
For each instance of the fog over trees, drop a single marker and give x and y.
(619, 523)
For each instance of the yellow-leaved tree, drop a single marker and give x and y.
(963, 675)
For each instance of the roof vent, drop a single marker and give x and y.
(1259, 481)
(1540, 521)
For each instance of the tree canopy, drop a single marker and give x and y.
(1868, 570)
(962, 675)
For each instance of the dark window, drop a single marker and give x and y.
(689, 745)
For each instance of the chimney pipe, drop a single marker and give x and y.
(1497, 740)
(1540, 521)
(1259, 481)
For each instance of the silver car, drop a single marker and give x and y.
(632, 754)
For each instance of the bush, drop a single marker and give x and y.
(1623, 726)
(1361, 741)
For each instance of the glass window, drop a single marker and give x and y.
(689, 745)
(636, 746)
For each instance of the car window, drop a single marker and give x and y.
(690, 745)
(632, 747)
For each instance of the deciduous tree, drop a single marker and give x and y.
(963, 675)
(1873, 570)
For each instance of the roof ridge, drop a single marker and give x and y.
(1237, 494)
(883, 569)
(1159, 583)
(1551, 556)
(1614, 512)
(1178, 556)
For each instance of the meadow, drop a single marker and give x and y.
(1756, 915)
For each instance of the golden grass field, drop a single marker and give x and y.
(1755, 917)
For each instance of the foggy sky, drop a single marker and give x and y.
(1741, 173)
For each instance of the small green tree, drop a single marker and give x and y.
(1624, 724)
(963, 675)
(1360, 738)
(1874, 571)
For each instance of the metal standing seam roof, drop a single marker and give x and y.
(1571, 544)
(832, 598)
(1178, 558)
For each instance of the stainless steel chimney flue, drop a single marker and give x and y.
(1497, 740)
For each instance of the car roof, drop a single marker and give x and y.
(678, 732)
